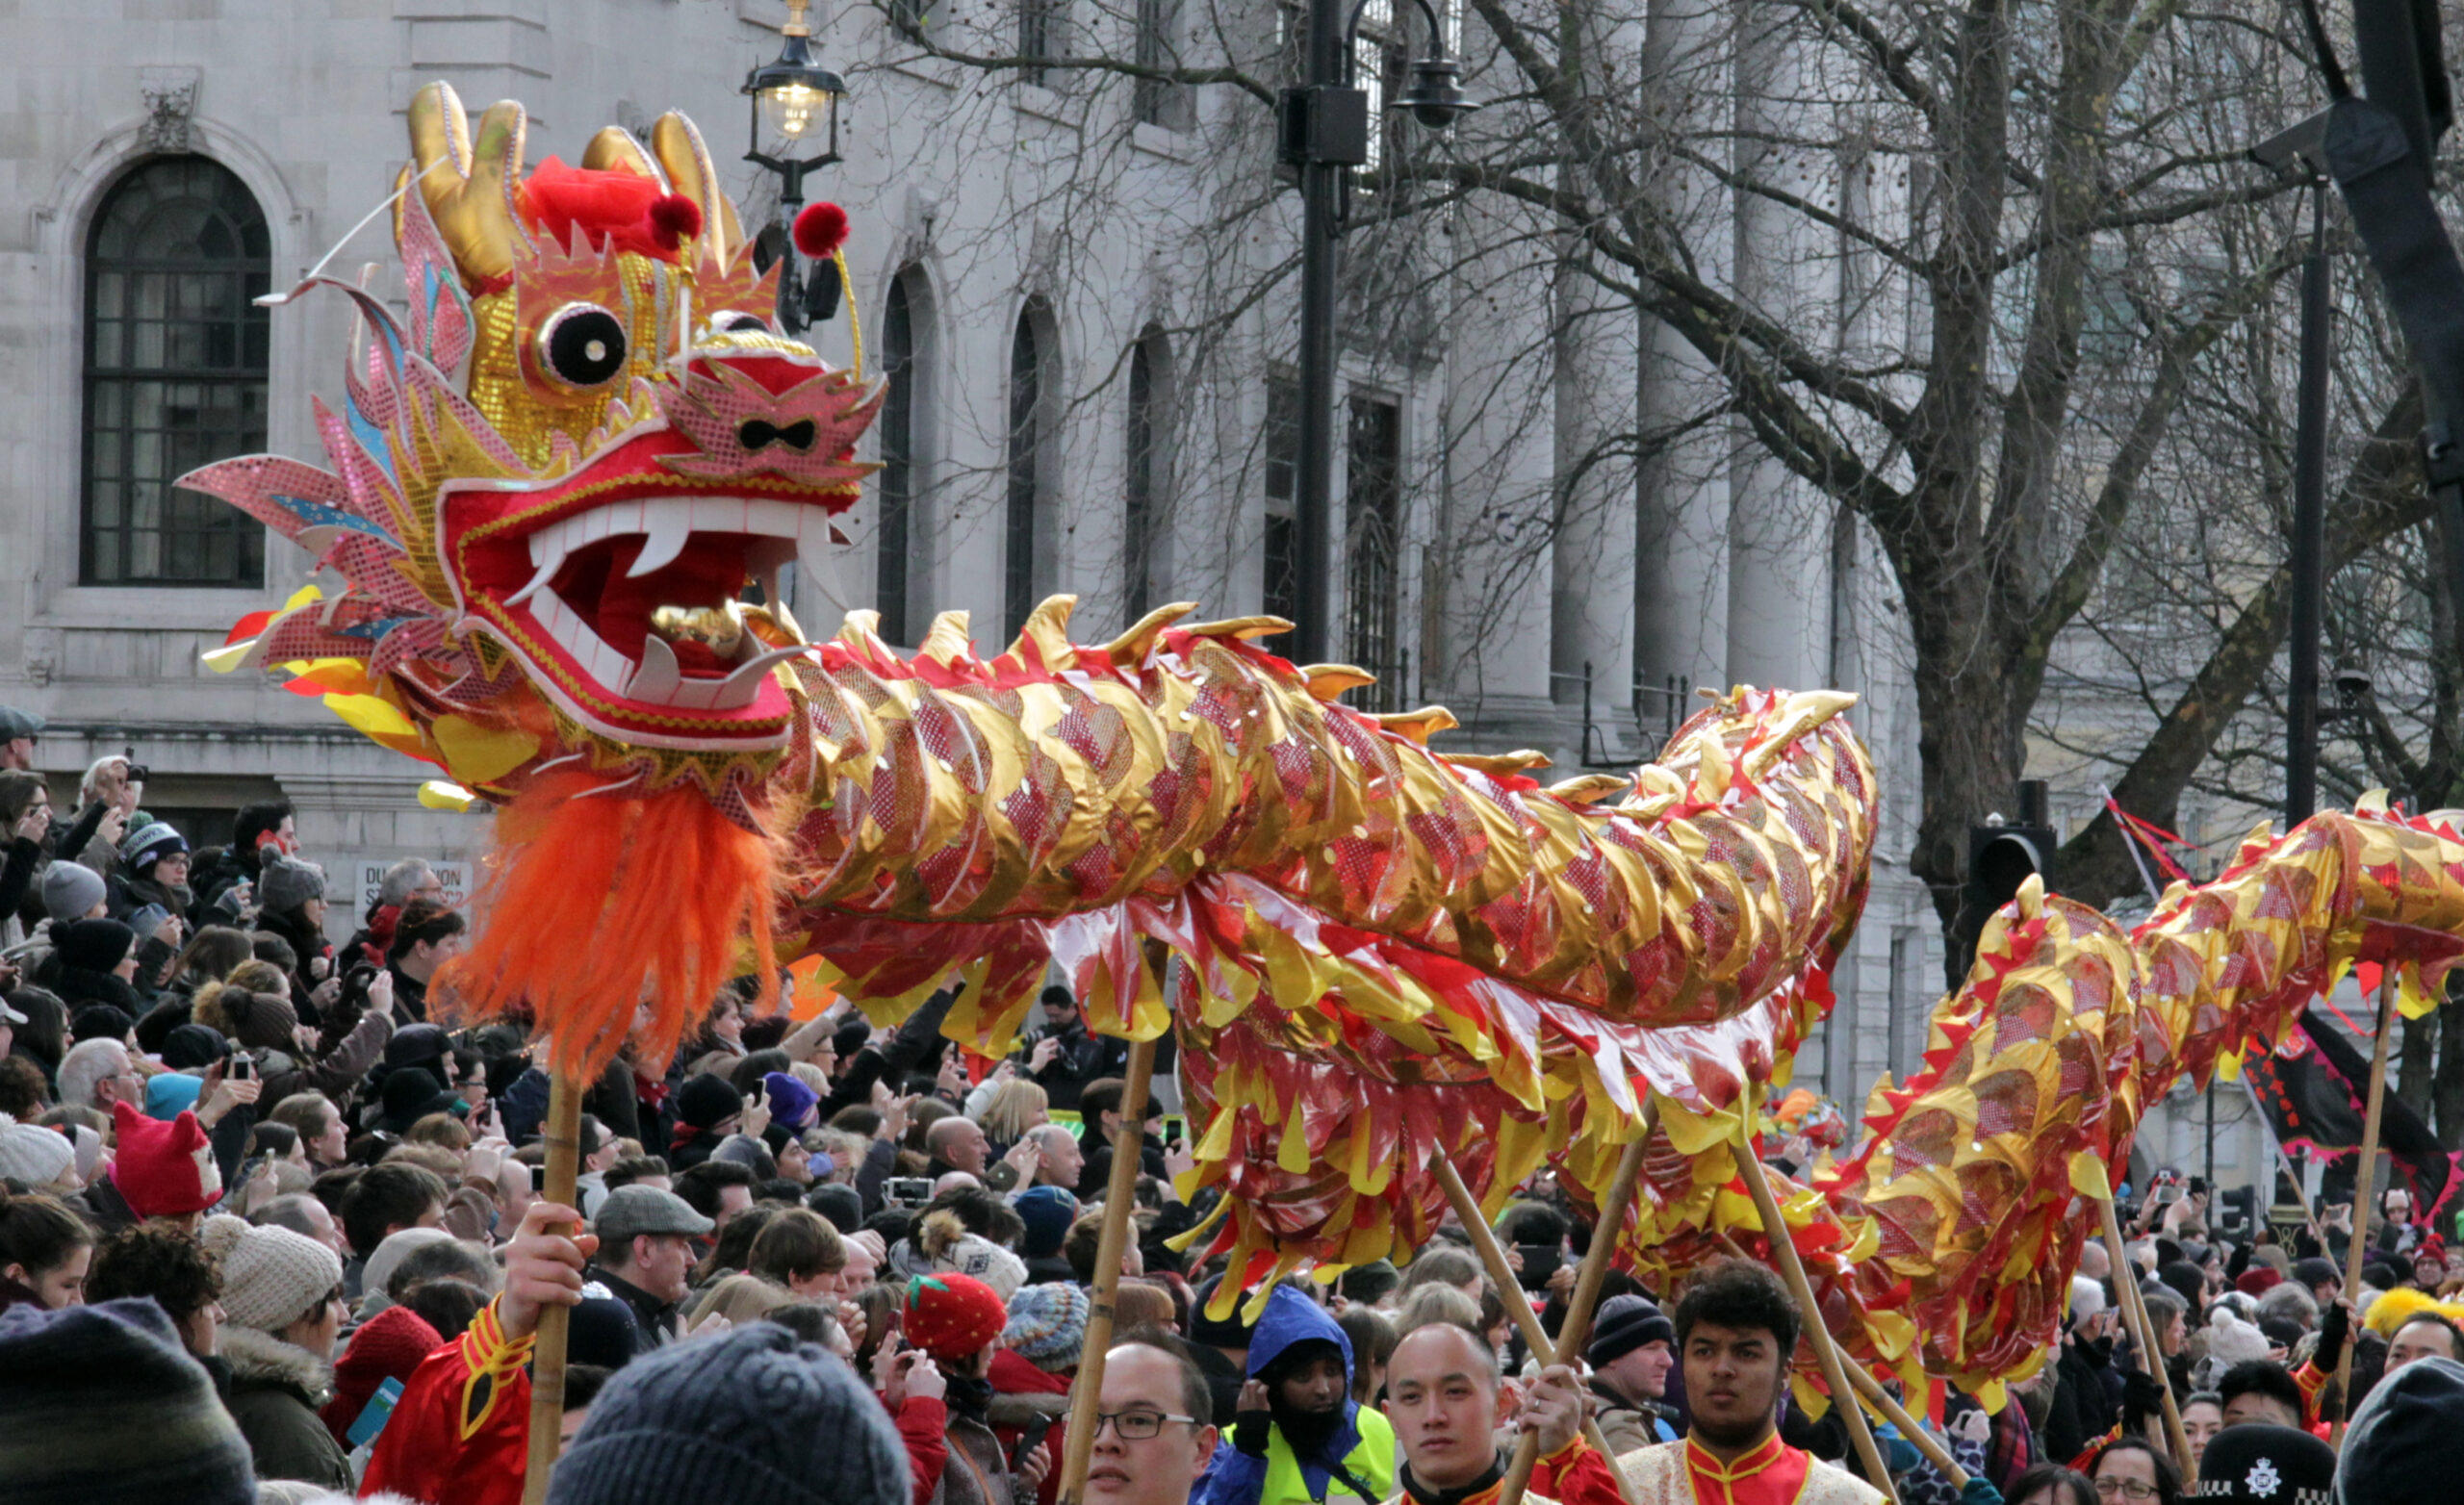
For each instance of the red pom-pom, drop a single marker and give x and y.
(821, 230)
(674, 220)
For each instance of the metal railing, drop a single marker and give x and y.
(1654, 710)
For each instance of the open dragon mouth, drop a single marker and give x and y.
(618, 583)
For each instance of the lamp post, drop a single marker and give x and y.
(796, 98)
(2298, 154)
(1322, 128)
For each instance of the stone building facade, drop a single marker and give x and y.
(1085, 400)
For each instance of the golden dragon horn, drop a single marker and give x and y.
(469, 182)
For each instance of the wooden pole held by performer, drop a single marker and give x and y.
(1775, 1232)
(1518, 1306)
(2134, 1316)
(2365, 1176)
(1897, 1416)
(562, 1134)
(1120, 1191)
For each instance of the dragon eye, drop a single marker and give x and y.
(583, 344)
(742, 324)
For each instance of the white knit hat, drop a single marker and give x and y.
(32, 1154)
(272, 1277)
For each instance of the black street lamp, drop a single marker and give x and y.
(796, 98)
(1323, 127)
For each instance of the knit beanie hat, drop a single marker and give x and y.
(259, 1021)
(2271, 1466)
(2257, 1281)
(272, 1277)
(411, 1094)
(951, 1316)
(163, 1170)
(69, 891)
(99, 1022)
(416, 1045)
(100, 1404)
(388, 1346)
(703, 1100)
(749, 1415)
(96, 945)
(171, 1094)
(2230, 1339)
(33, 1154)
(150, 844)
(2182, 1277)
(839, 1203)
(192, 1045)
(2406, 1442)
(1047, 1211)
(378, 1272)
(285, 883)
(2316, 1271)
(1227, 1332)
(1625, 1324)
(1047, 1324)
(791, 1101)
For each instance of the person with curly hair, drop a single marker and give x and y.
(157, 1262)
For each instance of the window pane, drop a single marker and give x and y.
(1372, 541)
(1027, 461)
(175, 373)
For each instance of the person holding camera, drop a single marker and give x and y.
(1062, 1056)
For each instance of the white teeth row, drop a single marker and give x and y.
(665, 525)
(656, 680)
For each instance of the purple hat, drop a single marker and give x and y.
(791, 1101)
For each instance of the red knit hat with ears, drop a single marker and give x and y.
(164, 1170)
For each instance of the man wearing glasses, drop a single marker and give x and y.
(1152, 1440)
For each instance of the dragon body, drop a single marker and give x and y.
(551, 485)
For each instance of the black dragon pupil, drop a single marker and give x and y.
(586, 347)
(744, 323)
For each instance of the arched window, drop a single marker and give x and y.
(1148, 475)
(894, 486)
(1032, 433)
(175, 374)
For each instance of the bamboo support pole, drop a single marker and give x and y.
(2365, 1177)
(1119, 1193)
(1775, 1232)
(1897, 1416)
(2133, 1313)
(563, 1136)
(1484, 1242)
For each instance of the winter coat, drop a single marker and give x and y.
(977, 1473)
(1364, 1444)
(337, 1072)
(275, 1391)
(1626, 1425)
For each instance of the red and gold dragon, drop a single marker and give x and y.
(554, 483)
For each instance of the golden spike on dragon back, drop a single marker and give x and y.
(552, 486)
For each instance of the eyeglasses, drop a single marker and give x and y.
(2125, 1488)
(1137, 1427)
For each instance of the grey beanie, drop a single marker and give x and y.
(70, 890)
(101, 1404)
(285, 883)
(750, 1415)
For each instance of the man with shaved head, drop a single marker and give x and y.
(1445, 1401)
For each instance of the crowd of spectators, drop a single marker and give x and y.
(288, 1220)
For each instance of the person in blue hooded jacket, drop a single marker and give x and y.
(1300, 1439)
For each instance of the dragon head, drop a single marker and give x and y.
(552, 483)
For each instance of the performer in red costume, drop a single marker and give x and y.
(458, 1434)
(1444, 1398)
(1736, 1329)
